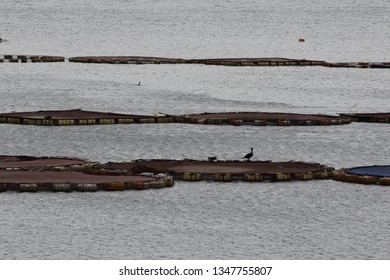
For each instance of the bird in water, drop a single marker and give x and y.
(139, 83)
(249, 155)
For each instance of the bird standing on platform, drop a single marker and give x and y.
(213, 158)
(249, 155)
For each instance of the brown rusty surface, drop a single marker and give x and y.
(25, 161)
(207, 167)
(248, 116)
(70, 114)
(62, 177)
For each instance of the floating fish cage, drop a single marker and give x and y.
(369, 175)
(78, 117)
(368, 117)
(225, 171)
(261, 119)
(81, 117)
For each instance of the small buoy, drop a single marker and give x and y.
(301, 40)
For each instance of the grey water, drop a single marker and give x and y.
(294, 220)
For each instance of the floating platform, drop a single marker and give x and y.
(225, 171)
(77, 117)
(81, 117)
(127, 60)
(39, 163)
(369, 175)
(261, 119)
(265, 61)
(30, 58)
(368, 117)
(32, 174)
(261, 61)
(67, 181)
(245, 61)
(358, 64)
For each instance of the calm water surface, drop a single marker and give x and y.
(295, 220)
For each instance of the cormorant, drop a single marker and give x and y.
(249, 155)
(213, 158)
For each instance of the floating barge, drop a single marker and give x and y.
(368, 117)
(224, 171)
(261, 119)
(368, 175)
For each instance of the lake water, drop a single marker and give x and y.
(295, 220)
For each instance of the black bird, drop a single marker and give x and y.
(213, 158)
(249, 155)
(139, 83)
